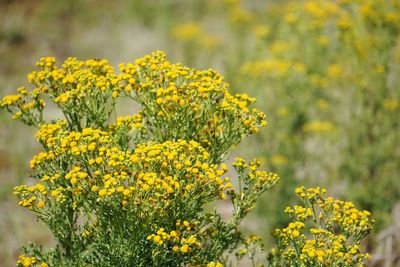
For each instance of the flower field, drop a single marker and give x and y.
(150, 162)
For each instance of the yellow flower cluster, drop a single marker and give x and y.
(177, 102)
(79, 88)
(391, 104)
(344, 215)
(73, 82)
(327, 249)
(299, 212)
(252, 182)
(23, 192)
(61, 142)
(187, 31)
(214, 264)
(10, 99)
(292, 231)
(320, 232)
(318, 126)
(26, 261)
(273, 68)
(129, 121)
(180, 240)
(187, 101)
(257, 178)
(21, 107)
(194, 34)
(153, 171)
(341, 12)
(310, 193)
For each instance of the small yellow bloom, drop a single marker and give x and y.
(40, 204)
(126, 192)
(184, 249)
(102, 192)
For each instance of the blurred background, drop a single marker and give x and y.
(326, 73)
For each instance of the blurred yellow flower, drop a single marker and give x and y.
(279, 160)
(318, 126)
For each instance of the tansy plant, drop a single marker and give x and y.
(133, 190)
(323, 232)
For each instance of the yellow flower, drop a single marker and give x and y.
(318, 126)
(187, 32)
(184, 249)
(279, 160)
(102, 192)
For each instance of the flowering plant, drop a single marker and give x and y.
(132, 190)
(323, 232)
